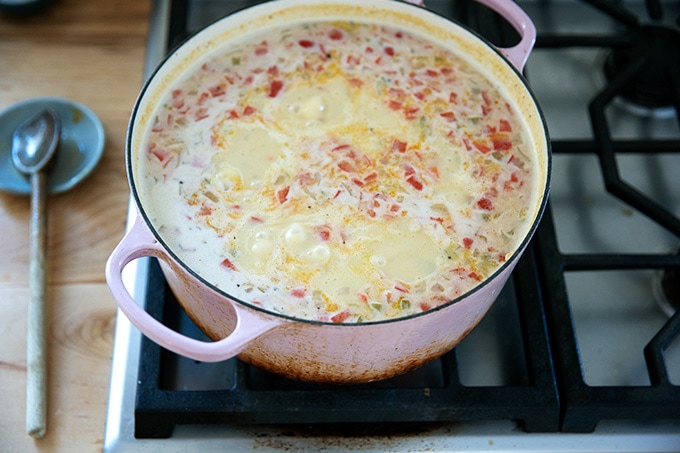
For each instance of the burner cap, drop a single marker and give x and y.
(651, 86)
(667, 289)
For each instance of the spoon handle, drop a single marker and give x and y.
(36, 382)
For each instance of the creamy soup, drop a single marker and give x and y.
(339, 171)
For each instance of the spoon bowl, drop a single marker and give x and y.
(34, 143)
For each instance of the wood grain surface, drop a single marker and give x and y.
(91, 52)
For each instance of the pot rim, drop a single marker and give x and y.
(511, 261)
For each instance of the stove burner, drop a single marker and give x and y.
(651, 57)
(667, 289)
(670, 283)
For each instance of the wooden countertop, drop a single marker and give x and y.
(91, 52)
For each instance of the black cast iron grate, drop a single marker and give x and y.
(583, 406)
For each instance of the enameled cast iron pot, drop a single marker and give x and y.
(310, 350)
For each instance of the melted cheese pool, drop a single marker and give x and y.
(338, 171)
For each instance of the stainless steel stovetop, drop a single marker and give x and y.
(614, 309)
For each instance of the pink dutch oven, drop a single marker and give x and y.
(311, 350)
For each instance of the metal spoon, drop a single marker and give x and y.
(34, 144)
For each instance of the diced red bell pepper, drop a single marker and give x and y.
(485, 204)
(341, 317)
(274, 88)
(282, 194)
(227, 264)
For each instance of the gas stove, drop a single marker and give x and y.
(581, 351)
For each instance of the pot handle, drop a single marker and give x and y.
(520, 21)
(140, 242)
